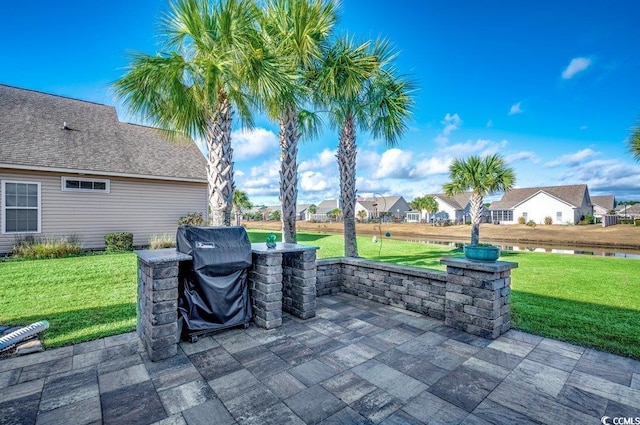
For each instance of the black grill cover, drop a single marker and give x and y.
(214, 290)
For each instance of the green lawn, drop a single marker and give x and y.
(83, 298)
(591, 301)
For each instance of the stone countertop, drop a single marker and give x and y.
(281, 248)
(155, 256)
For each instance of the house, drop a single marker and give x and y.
(456, 208)
(70, 167)
(302, 211)
(602, 205)
(564, 204)
(392, 207)
(323, 210)
(628, 211)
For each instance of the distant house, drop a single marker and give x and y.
(602, 205)
(564, 204)
(302, 210)
(70, 167)
(628, 211)
(392, 207)
(323, 210)
(455, 208)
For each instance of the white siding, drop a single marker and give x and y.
(141, 206)
(542, 205)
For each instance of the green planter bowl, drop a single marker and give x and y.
(487, 253)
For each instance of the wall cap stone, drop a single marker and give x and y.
(281, 248)
(159, 256)
(463, 263)
(395, 268)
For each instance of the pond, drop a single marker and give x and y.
(555, 249)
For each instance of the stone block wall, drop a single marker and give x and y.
(470, 296)
(299, 283)
(328, 276)
(265, 278)
(410, 288)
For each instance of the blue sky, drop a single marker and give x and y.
(551, 85)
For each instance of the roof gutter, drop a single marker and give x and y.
(99, 173)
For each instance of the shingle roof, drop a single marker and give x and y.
(327, 205)
(571, 194)
(384, 204)
(32, 136)
(457, 202)
(608, 202)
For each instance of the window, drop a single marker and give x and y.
(20, 207)
(559, 217)
(524, 215)
(70, 184)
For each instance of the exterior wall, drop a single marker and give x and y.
(359, 208)
(401, 205)
(599, 211)
(143, 207)
(446, 211)
(542, 205)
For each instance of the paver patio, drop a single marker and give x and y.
(356, 362)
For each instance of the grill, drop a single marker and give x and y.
(213, 287)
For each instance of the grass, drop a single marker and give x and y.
(590, 301)
(83, 298)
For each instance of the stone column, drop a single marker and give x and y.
(157, 309)
(283, 278)
(266, 289)
(299, 283)
(477, 298)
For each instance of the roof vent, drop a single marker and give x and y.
(64, 126)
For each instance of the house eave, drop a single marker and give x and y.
(99, 173)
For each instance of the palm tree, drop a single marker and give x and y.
(360, 88)
(215, 61)
(634, 141)
(482, 176)
(427, 203)
(362, 215)
(240, 202)
(299, 30)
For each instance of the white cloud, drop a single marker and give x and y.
(576, 66)
(522, 156)
(461, 150)
(572, 159)
(311, 181)
(368, 160)
(431, 167)
(253, 143)
(323, 160)
(451, 123)
(516, 109)
(394, 163)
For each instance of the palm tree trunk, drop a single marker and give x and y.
(476, 216)
(289, 136)
(220, 165)
(347, 165)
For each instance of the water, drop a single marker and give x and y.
(583, 250)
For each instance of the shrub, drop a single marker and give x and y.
(531, 223)
(32, 248)
(548, 220)
(120, 241)
(522, 220)
(589, 219)
(162, 241)
(192, 219)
